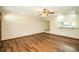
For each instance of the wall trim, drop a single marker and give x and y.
(22, 36)
(62, 35)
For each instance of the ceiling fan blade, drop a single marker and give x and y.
(51, 12)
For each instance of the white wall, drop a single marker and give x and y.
(15, 25)
(74, 33)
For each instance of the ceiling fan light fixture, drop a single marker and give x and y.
(44, 14)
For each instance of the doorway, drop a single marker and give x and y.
(0, 24)
(0, 29)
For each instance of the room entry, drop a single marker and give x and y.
(0, 27)
(0, 24)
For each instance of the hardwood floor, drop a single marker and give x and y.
(42, 42)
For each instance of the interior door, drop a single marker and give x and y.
(0, 24)
(0, 29)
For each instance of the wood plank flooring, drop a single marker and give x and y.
(42, 42)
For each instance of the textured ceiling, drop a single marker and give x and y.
(36, 10)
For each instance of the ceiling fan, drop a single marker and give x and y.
(46, 12)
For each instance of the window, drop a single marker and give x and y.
(65, 21)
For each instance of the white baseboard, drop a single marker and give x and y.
(64, 35)
(7, 37)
